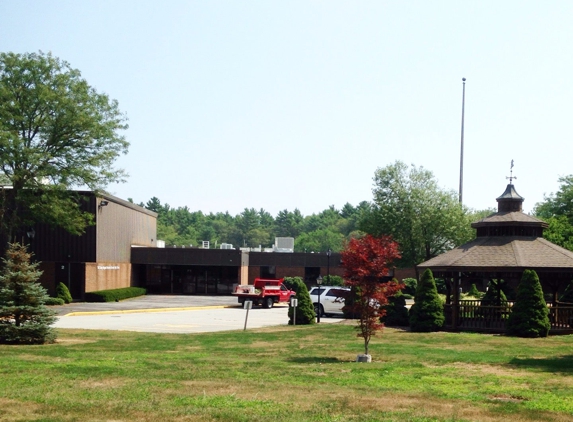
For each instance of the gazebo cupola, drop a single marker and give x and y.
(510, 220)
(510, 200)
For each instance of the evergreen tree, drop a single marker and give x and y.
(24, 317)
(305, 310)
(63, 293)
(427, 312)
(396, 311)
(529, 315)
(494, 296)
(474, 292)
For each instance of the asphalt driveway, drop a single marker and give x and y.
(172, 314)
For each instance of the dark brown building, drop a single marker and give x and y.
(100, 258)
(120, 250)
(218, 271)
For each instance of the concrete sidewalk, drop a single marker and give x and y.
(148, 303)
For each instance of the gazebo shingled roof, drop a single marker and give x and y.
(487, 254)
(507, 241)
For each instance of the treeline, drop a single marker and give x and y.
(408, 204)
(328, 229)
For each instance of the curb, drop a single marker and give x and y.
(136, 311)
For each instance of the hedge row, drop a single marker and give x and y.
(54, 301)
(115, 294)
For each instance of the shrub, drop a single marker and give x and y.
(427, 312)
(494, 296)
(333, 280)
(53, 301)
(474, 292)
(396, 311)
(24, 316)
(115, 294)
(305, 310)
(529, 315)
(410, 286)
(63, 293)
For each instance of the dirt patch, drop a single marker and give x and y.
(13, 410)
(483, 369)
(72, 341)
(102, 383)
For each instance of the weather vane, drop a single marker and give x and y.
(511, 176)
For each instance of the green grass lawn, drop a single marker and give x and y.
(302, 373)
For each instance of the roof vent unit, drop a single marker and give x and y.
(205, 244)
(284, 244)
(226, 246)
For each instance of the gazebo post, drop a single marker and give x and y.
(456, 305)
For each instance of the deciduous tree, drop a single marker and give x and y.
(56, 133)
(423, 218)
(559, 203)
(366, 262)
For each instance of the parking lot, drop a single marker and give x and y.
(171, 314)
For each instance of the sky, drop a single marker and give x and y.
(296, 104)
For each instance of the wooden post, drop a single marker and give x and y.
(456, 305)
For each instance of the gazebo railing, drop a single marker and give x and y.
(471, 315)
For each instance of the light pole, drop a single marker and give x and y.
(319, 282)
(328, 253)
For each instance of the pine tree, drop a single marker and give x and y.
(474, 292)
(305, 310)
(396, 311)
(529, 315)
(427, 312)
(24, 317)
(494, 295)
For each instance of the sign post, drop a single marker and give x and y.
(293, 304)
(247, 304)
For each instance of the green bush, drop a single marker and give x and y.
(567, 295)
(396, 312)
(411, 285)
(53, 301)
(427, 312)
(494, 296)
(115, 294)
(305, 309)
(474, 292)
(529, 315)
(63, 293)
(333, 280)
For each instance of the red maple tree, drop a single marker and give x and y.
(366, 262)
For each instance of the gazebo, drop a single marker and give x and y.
(507, 242)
